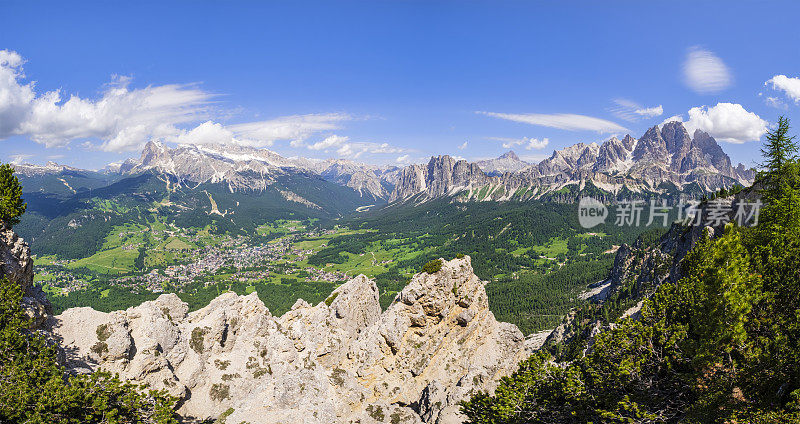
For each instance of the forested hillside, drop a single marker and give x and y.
(720, 344)
(87, 216)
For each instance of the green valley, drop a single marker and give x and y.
(535, 255)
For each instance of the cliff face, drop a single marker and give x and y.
(340, 361)
(442, 176)
(16, 265)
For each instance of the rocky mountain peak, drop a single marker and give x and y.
(340, 361)
(507, 162)
(612, 156)
(651, 146)
(712, 150)
(153, 151)
(509, 155)
(49, 168)
(628, 141)
(676, 138)
(443, 175)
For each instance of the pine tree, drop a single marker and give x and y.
(780, 218)
(11, 204)
(779, 148)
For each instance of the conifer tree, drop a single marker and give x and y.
(779, 148)
(781, 180)
(11, 204)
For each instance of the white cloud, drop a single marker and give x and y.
(536, 144)
(728, 122)
(15, 98)
(296, 128)
(382, 148)
(525, 142)
(650, 112)
(672, 118)
(206, 133)
(462, 146)
(563, 121)
(704, 72)
(352, 150)
(403, 159)
(355, 150)
(19, 159)
(346, 150)
(124, 119)
(776, 102)
(632, 111)
(790, 86)
(329, 142)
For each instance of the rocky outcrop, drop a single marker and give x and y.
(341, 361)
(16, 265)
(638, 269)
(614, 153)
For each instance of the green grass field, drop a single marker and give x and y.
(113, 261)
(378, 258)
(45, 260)
(552, 249)
(176, 243)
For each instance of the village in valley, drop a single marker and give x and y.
(182, 256)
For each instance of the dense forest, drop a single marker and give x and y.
(536, 301)
(722, 344)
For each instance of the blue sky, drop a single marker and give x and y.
(388, 81)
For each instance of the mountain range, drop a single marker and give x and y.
(243, 169)
(665, 159)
